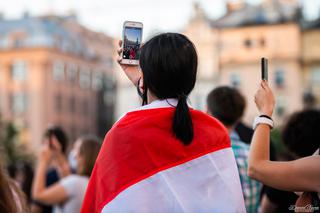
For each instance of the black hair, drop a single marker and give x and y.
(226, 104)
(169, 64)
(301, 133)
(60, 135)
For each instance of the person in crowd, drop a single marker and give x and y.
(227, 105)
(299, 142)
(297, 175)
(12, 199)
(67, 194)
(22, 173)
(165, 156)
(58, 167)
(132, 53)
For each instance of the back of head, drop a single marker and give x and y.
(169, 64)
(60, 135)
(12, 198)
(301, 134)
(89, 150)
(226, 104)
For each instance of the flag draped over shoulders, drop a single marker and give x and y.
(142, 167)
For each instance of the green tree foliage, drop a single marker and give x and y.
(11, 150)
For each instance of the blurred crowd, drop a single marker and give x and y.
(58, 181)
(131, 52)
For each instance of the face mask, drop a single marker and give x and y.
(73, 160)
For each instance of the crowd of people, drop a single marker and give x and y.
(59, 181)
(131, 52)
(168, 157)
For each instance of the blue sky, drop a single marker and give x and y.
(108, 15)
(133, 34)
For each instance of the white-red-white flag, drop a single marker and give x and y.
(142, 167)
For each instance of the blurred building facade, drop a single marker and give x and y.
(311, 62)
(53, 71)
(230, 49)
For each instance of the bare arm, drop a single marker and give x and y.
(53, 194)
(297, 175)
(267, 206)
(60, 161)
(62, 165)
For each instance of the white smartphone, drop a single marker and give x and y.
(131, 42)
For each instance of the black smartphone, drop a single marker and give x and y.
(264, 69)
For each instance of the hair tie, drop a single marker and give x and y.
(182, 97)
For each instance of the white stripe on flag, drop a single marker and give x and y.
(207, 184)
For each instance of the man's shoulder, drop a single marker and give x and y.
(240, 148)
(207, 120)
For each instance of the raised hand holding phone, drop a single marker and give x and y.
(132, 38)
(264, 99)
(128, 59)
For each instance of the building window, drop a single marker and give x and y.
(84, 78)
(109, 63)
(235, 80)
(85, 107)
(97, 81)
(72, 105)
(279, 78)
(108, 98)
(73, 132)
(18, 102)
(315, 76)
(248, 43)
(262, 42)
(58, 103)
(19, 71)
(72, 73)
(18, 43)
(280, 106)
(58, 71)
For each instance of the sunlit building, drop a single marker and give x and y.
(55, 71)
(230, 49)
(311, 62)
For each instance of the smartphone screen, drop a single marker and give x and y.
(132, 41)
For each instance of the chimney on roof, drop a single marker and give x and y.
(233, 5)
(72, 15)
(26, 15)
(198, 11)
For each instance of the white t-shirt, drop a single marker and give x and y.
(75, 186)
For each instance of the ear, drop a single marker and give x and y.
(141, 84)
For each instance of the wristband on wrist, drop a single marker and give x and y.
(262, 119)
(265, 116)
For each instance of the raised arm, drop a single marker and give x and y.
(49, 195)
(297, 175)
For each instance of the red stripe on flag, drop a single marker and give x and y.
(142, 144)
